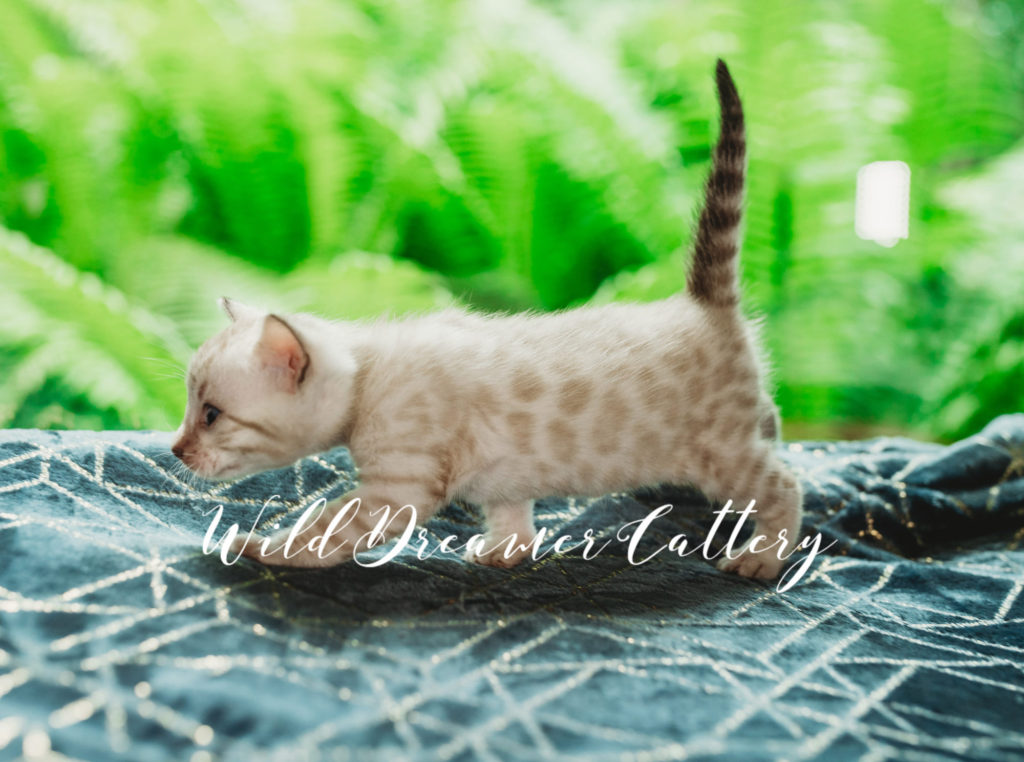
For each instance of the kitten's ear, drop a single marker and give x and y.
(234, 309)
(280, 350)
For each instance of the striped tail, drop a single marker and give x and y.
(713, 278)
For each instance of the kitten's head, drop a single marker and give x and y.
(247, 408)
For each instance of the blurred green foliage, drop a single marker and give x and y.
(354, 157)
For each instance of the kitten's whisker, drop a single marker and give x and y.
(177, 470)
(176, 367)
(172, 468)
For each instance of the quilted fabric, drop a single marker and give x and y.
(120, 639)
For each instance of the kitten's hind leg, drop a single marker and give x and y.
(510, 532)
(779, 511)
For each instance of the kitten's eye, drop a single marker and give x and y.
(210, 414)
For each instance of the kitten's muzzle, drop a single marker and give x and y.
(183, 451)
(185, 454)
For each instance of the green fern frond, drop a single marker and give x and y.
(183, 280)
(67, 328)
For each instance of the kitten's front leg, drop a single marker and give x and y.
(351, 522)
(508, 525)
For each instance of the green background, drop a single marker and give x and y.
(354, 158)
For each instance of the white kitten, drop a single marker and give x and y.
(502, 410)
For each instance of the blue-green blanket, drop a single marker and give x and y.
(120, 639)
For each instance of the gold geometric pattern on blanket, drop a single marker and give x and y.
(153, 650)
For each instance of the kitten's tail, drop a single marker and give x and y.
(713, 278)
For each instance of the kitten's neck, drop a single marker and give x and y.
(340, 355)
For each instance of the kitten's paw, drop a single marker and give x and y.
(762, 565)
(497, 556)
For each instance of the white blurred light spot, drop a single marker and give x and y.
(883, 202)
(36, 744)
(203, 735)
(46, 67)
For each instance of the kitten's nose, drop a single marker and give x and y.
(178, 451)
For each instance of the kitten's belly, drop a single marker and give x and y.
(521, 476)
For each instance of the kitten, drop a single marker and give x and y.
(502, 410)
